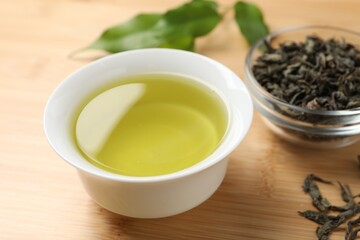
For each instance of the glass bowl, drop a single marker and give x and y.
(299, 125)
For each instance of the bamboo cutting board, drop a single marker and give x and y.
(41, 196)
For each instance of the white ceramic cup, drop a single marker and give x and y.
(156, 196)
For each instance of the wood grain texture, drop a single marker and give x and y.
(41, 196)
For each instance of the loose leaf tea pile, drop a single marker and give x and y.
(315, 74)
(327, 222)
(179, 27)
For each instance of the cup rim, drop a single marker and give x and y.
(203, 164)
(250, 78)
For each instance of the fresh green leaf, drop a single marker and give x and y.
(195, 18)
(177, 28)
(250, 21)
(133, 34)
(184, 43)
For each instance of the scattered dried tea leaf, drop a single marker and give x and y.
(350, 233)
(353, 234)
(346, 192)
(347, 196)
(351, 212)
(328, 223)
(318, 217)
(312, 189)
(324, 231)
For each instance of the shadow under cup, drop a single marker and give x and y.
(155, 196)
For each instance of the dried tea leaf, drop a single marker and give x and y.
(312, 177)
(324, 231)
(312, 189)
(350, 213)
(350, 226)
(345, 192)
(318, 217)
(347, 196)
(353, 234)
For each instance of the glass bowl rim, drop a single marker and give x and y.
(250, 78)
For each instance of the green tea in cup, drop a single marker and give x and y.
(149, 145)
(151, 124)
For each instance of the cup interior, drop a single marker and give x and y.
(71, 95)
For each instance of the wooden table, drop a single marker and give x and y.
(41, 196)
